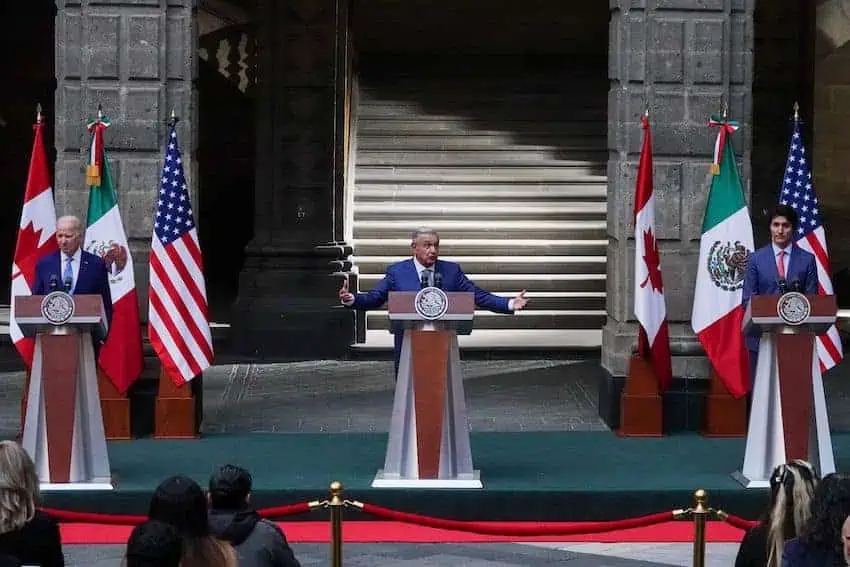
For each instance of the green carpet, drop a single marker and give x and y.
(527, 476)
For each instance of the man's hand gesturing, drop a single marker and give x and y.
(345, 296)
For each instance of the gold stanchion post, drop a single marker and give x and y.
(700, 513)
(336, 505)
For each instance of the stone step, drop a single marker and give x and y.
(424, 126)
(449, 247)
(485, 112)
(531, 173)
(502, 339)
(526, 319)
(574, 192)
(499, 264)
(472, 141)
(482, 158)
(562, 229)
(513, 283)
(474, 212)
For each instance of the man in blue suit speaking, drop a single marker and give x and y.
(71, 268)
(424, 266)
(778, 267)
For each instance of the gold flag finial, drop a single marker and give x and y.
(38, 113)
(725, 112)
(100, 111)
(173, 119)
(796, 111)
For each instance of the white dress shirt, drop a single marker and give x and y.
(75, 267)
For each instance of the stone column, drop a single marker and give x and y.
(137, 59)
(287, 306)
(682, 59)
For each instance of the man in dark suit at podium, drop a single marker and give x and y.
(422, 270)
(71, 268)
(778, 267)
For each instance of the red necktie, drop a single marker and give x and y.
(782, 264)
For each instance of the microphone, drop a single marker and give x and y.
(53, 284)
(438, 280)
(423, 281)
(783, 285)
(67, 285)
(795, 285)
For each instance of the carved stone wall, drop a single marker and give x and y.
(682, 59)
(137, 59)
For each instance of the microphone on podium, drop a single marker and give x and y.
(53, 284)
(67, 285)
(423, 279)
(438, 280)
(795, 285)
(783, 285)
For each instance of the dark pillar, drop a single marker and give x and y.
(286, 306)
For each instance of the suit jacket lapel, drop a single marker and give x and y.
(792, 259)
(84, 265)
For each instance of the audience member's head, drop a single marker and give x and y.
(792, 488)
(180, 502)
(18, 487)
(154, 544)
(845, 539)
(830, 507)
(230, 488)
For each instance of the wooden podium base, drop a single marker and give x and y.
(175, 410)
(640, 403)
(724, 415)
(115, 409)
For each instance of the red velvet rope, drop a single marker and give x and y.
(128, 520)
(519, 528)
(739, 522)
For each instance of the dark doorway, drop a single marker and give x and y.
(27, 71)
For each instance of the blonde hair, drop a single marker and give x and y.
(793, 485)
(18, 487)
(208, 551)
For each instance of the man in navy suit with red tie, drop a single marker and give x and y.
(425, 267)
(778, 267)
(71, 268)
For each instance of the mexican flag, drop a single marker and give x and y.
(727, 241)
(121, 355)
(650, 307)
(35, 237)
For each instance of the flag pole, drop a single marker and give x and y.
(796, 108)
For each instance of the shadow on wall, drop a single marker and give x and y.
(531, 70)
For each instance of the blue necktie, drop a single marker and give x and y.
(68, 275)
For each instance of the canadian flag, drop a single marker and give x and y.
(35, 236)
(650, 307)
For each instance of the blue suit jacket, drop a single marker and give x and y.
(401, 276)
(763, 277)
(91, 279)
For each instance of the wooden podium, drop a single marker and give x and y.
(428, 444)
(788, 418)
(63, 428)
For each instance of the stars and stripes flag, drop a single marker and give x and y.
(799, 193)
(178, 326)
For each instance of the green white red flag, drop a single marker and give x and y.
(725, 246)
(35, 236)
(650, 307)
(121, 355)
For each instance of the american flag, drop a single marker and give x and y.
(177, 323)
(799, 193)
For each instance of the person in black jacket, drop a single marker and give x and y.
(25, 533)
(154, 544)
(791, 489)
(819, 544)
(258, 542)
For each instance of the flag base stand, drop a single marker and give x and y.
(115, 409)
(640, 403)
(175, 410)
(725, 416)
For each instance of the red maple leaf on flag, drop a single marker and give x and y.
(652, 261)
(28, 242)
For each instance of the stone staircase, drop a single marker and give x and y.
(508, 164)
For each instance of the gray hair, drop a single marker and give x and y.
(423, 231)
(18, 487)
(75, 222)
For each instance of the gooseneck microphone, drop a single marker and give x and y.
(53, 284)
(438, 280)
(783, 285)
(67, 285)
(795, 285)
(423, 279)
